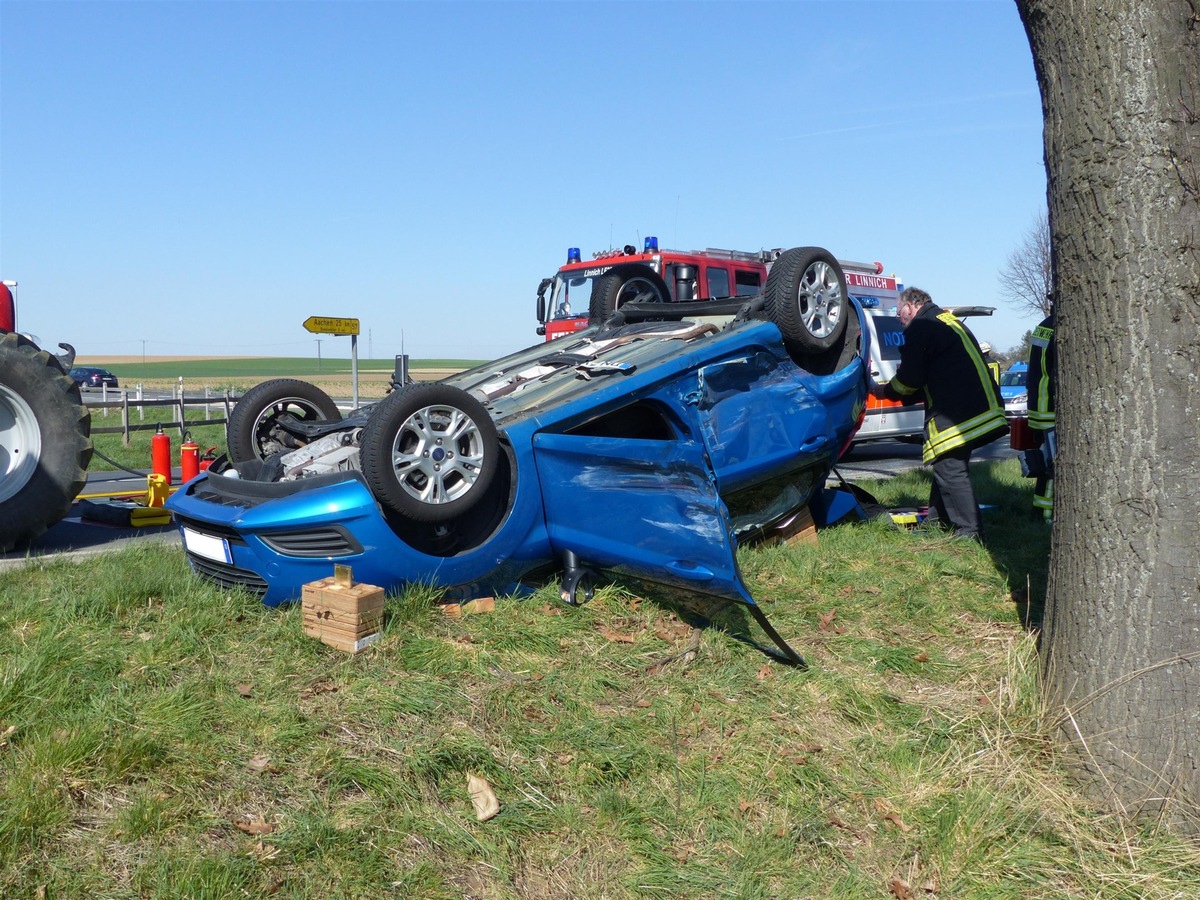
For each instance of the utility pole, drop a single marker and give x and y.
(143, 352)
(318, 354)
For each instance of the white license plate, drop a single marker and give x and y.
(214, 548)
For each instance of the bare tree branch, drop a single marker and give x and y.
(1025, 279)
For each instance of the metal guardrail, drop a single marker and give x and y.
(179, 401)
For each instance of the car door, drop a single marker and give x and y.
(647, 509)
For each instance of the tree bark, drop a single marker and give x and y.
(1120, 85)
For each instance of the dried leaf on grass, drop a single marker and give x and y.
(900, 890)
(825, 622)
(257, 825)
(321, 687)
(245, 690)
(6, 734)
(671, 630)
(890, 815)
(618, 637)
(482, 797)
(837, 822)
(259, 764)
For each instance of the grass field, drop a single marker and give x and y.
(160, 738)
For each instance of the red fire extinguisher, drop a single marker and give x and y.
(189, 458)
(209, 457)
(160, 454)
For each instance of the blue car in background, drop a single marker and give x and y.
(1013, 390)
(646, 447)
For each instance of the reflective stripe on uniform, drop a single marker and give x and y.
(901, 388)
(963, 433)
(1046, 500)
(1041, 416)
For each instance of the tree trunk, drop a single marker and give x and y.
(1120, 84)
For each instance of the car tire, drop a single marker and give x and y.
(622, 285)
(45, 439)
(429, 452)
(806, 298)
(250, 433)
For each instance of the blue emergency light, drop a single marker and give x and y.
(573, 255)
(866, 302)
(651, 244)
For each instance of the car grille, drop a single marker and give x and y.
(314, 543)
(204, 491)
(227, 576)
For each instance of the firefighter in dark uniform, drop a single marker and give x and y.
(1043, 367)
(963, 407)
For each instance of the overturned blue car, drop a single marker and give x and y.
(647, 447)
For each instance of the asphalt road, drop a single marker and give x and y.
(78, 537)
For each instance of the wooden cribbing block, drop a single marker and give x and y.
(800, 529)
(342, 615)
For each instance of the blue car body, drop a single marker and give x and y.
(633, 450)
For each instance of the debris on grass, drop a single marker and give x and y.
(482, 797)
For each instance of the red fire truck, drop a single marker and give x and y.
(595, 288)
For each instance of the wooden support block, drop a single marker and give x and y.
(345, 616)
(800, 529)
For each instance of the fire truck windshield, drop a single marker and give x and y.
(569, 298)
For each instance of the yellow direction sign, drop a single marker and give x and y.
(330, 325)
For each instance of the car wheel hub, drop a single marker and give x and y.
(820, 299)
(437, 454)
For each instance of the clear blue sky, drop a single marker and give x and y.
(203, 176)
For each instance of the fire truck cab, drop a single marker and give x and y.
(583, 289)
